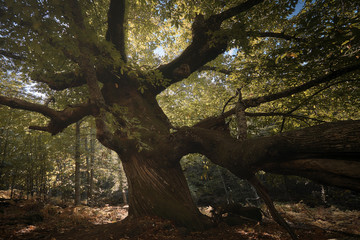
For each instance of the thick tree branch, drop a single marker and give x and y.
(116, 26)
(253, 102)
(329, 153)
(99, 109)
(202, 50)
(87, 66)
(59, 120)
(212, 122)
(34, 107)
(205, 45)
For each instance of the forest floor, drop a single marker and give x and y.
(27, 219)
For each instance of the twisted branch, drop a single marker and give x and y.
(59, 120)
(205, 46)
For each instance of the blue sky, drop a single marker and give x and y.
(298, 7)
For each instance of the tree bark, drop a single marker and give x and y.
(328, 153)
(156, 190)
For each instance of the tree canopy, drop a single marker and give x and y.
(252, 85)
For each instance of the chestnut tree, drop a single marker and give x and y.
(277, 84)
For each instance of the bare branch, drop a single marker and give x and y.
(253, 102)
(228, 101)
(40, 128)
(273, 35)
(215, 122)
(116, 26)
(286, 114)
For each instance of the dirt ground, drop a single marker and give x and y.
(27, 219)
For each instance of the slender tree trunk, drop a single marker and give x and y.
(92, 160)
(4, 147)
(4, 155)
(31, 178)
(87, 168)
(44, 178)
(13, 178)
(323, 195)
(161, 191)
(77, 165)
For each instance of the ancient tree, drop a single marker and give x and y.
(104, 51)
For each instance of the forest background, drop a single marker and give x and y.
(172, 80)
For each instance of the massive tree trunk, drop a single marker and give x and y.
(160, 190)
(157, 186)
(328, 153)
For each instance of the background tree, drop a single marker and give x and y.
(77, 165)
(282, 63)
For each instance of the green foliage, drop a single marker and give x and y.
(210, 184)
(195, 98)
(35, 162)
(24, 161)
(322, 37)
(322, 42)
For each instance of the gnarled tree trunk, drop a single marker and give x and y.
(122, 99)
(161, 190)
